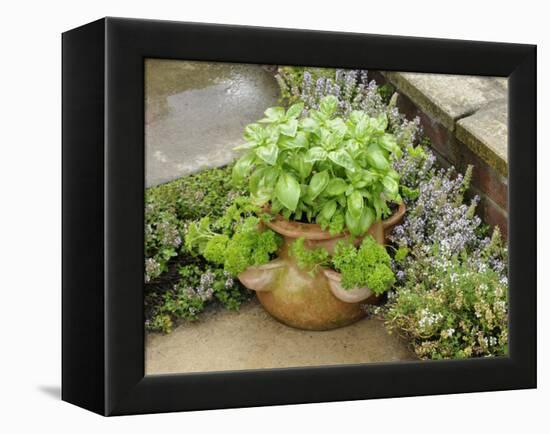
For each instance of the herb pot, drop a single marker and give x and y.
(311, 300)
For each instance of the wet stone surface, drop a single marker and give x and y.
(195, 113)
(251, 339)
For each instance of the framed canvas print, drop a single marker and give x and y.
(258, 216)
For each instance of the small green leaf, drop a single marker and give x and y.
(377, 159)
(390, 185)
(355, 204)
(328, 105)
(295, 110)
(318, 183)
(253, 133)
(380, 123)
(357, 116)
(342, 158)
(388, 142)
(338, 126)
(315, 154)
(353, 224)
(336, 187)
(287, 191)
(310, 125)
(366, 220)
(362, 129)
(246, 146)
(273, 114)
(328, 210)
(242, 167)
(298, 141)
(268, 153)
(289, 128)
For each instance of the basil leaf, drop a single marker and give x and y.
(268, 153)
(310, 125)
(273, 114)
(289, 128)
(295, 110)
(253, 133)
(315, 154)
(366, 220)
(390, 185)
(377, 159)
(298, 141)
(362, 129)
(318, 183)
(304, 168)
(380, 123)
(242, 167)
(336, 187)
(328, 210)
(353, 224)
(355, 204)
(342, 158)
(388, 142)
(357, 116)
(287, 191)
(247, 145)
(328, 105)
(338, 126)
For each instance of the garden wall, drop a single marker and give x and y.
(466, 119)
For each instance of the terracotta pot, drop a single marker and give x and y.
(306, 300)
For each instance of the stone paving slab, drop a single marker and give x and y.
(251, 339)
(195, 113)
(486, 133)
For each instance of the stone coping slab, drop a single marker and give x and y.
(472, 108)
(486, 133)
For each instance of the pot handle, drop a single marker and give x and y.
(395, 218)
(260, 278)
(355, 295)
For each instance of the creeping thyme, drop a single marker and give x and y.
(450, 297)
(187, 298)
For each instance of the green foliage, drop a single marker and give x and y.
(307, 258)
(450, 296)
(242, 243)
(368, 265)
(401, 254)
(168, 208)
(289, 79)
(186, 299)
(386, 91)
(455, 311)
(321, 167)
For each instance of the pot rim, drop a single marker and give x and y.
(313, 231)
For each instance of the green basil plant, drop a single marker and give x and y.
(321, 167)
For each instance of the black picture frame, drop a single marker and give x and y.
(103, 203)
